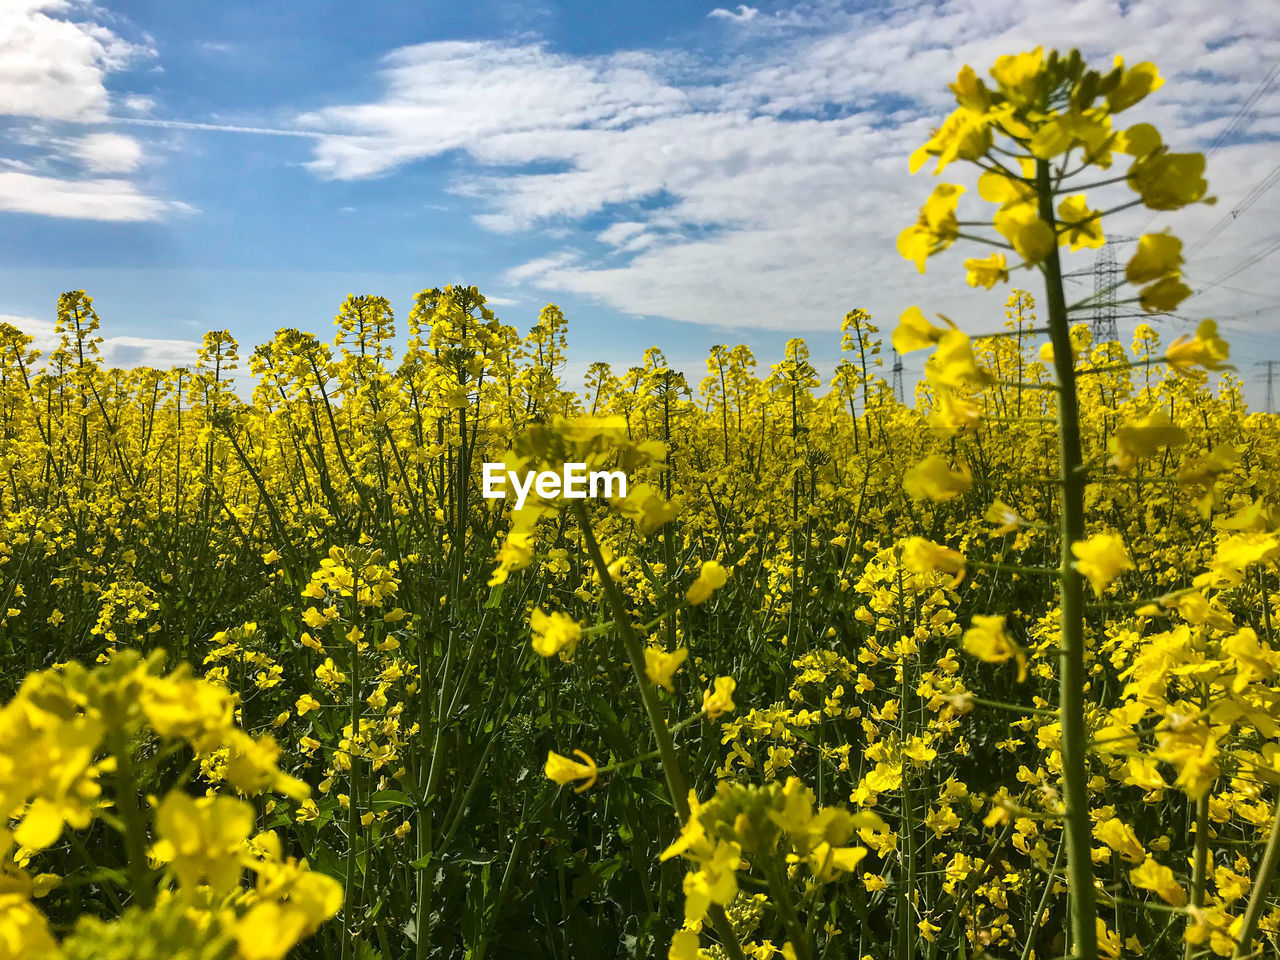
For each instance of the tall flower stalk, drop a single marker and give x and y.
(1047, 121)
(1071, 667)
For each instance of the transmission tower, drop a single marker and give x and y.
(1106, 277)
(1270, 367)
(897, 378)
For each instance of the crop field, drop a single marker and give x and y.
(987, 671)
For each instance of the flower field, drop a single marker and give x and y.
(989, 672)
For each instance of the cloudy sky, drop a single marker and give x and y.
(670, 172)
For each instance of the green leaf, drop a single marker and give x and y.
(386, 799)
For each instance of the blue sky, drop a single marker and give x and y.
(671, 173)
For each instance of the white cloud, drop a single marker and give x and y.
(55, 57)
(108, 153)
(621, 232)
(148, 352)
(767, 189)
(116, 351)
(451, 95)
(743, 14)
(52, 67)
(139, 104)
(541, 267)
(101, 199)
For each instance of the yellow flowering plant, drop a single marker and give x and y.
(843, 673)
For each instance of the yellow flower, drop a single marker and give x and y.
(929, 931)
(936, 229)
(1017, 75)
(1191, 747)
(1235, 554)
(716, 881)
(933, 479)
(564, 771)
(965, 134)
(987, 640)
(953, 414)
(1158, 255)
(1169, 181)
(1231, 885)
(1021, 225)
(987, 271)
(1108, 940)
(1206, 350)
(711, 578)
(329, 674)
(1064, 132)
(1135, 83)
(202, 838)
(554, 633)
(717, 703)
(182, 705)
(251, 766)
(516, 551)
(942, 821)
(828, 863)
(1119, 836)
(1082, 227)
(660, 666)
(1101, 559)
(306, 703)
(1140, 140)
(1164, 295)
(953, 363)
(997, 187)
(269, 931)
(924, 556)
(1209, 466)
(24, 932)
(1004, 516)
(914, 332)
(1143, 438)
(970, 91)
(684, 946)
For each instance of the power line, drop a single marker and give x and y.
(1270, 294)
(1250, 313)
(1252, 197)
(1245, 109)
(1274, 245)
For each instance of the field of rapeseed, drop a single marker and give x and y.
(989, 673)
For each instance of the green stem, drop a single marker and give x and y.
(787, 911)
(353, 812)
(1200, 861)
(1261, 888)
(140, 885)
(671, 769)
(1075, 792)
(1044, 896)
